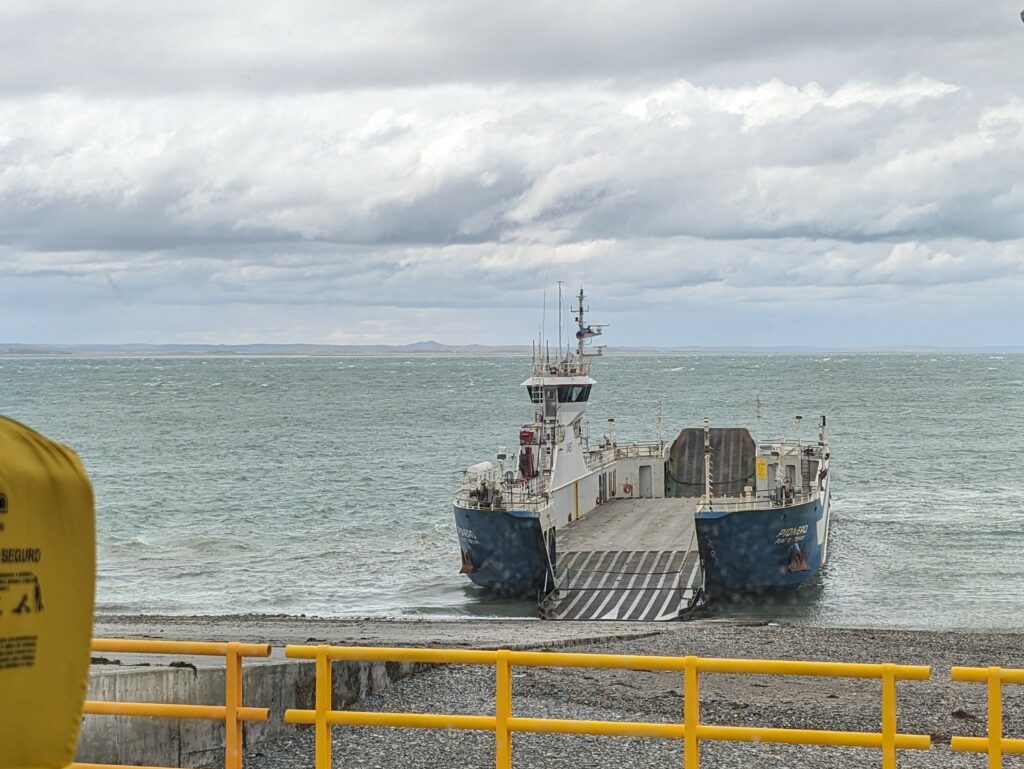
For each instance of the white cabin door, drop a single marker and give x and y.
(646, 484)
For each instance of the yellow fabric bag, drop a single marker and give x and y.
(47, 589)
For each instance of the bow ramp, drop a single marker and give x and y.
(630, 559)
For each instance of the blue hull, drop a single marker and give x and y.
(502, 550)
(752, 551)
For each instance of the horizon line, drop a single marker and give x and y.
(15, 349)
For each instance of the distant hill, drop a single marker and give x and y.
(416, 348)
(429, 348)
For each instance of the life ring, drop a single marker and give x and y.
(627, 488)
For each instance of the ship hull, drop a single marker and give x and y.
(502, 550)
(762, 550)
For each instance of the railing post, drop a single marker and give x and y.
(888, 717)
(232, 702)
(324, 689)
(995, 718)
(503, 711)
(691, 714)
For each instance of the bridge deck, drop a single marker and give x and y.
(630, 559)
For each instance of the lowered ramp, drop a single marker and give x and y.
(645, 585)
(630, 559)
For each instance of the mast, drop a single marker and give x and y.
(544, 321)
(585, 332)
(708, 495)
(580, 336)
(559, 318)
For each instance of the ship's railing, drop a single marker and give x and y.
(638, 449)
(690, 731)
(597, 459)
(526, 497)
(515, 497)
(790, 443)
(606, 456)
(578, 367)
(233, 713)
(759, 502)
(994, 743)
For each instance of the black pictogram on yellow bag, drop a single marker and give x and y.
(47, 586)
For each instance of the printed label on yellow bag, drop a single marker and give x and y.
(47, 587)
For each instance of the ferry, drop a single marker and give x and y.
(641, 530)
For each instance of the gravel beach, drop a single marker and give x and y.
(939, 707)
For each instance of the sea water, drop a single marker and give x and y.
(322, 486)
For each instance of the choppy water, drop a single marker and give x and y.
(322, 485)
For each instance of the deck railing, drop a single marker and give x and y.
(514, 498)
(640, 449)
(606, 456)
(756, 502)
(994, 743)
(690, 731)
(233, 713)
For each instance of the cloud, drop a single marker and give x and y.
(777, 102)
(396, 165)
(465, 164)
(315, 46)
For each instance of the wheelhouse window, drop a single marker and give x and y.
(573, 393)
(536, 393)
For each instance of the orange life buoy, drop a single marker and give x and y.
(627, 488)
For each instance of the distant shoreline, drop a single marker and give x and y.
(434, 349)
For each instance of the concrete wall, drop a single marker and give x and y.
(278, 685)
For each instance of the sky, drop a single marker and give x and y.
(765, 173)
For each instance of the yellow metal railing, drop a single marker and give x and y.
(232, 712)
(690, 731)
(994, 744)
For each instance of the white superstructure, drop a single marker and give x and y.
(558, 475)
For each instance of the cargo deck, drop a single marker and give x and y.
(629, 559)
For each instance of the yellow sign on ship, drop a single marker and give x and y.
(47, 588)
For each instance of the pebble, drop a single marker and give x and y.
(940, 707)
